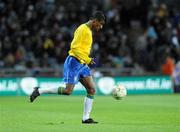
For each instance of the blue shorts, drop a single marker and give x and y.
(74, 70)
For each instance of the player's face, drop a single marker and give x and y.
(98, 25)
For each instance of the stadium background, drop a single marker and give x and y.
(139, 38)
(138, 47)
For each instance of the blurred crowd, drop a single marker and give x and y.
(138, 34)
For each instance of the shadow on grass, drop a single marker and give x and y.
(56, 123)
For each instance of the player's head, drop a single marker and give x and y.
(98, 20)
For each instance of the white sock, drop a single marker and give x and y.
(48, 90)
(88, 102)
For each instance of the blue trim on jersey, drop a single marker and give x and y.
(74, 70)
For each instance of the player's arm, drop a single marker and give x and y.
(81, 34)
(86, 37)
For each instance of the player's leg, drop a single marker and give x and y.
(70, 73)
(59, 90)
(88, 83)
(67, 90)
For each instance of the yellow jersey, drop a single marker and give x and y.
(81, 44)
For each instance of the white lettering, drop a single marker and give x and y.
(153, 84)
(8, 85)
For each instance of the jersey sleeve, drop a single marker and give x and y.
(81, 36)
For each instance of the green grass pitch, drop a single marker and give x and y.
(135, 113)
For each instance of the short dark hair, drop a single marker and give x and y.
(98, 15)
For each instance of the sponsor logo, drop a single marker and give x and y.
(27, 84)
(106, 84)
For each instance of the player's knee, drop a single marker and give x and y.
(91, 91)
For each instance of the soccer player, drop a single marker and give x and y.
(76, 65)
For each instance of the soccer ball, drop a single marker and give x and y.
(119, 92)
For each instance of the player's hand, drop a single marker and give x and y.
(92, 62)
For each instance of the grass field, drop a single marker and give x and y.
(135, 113)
